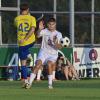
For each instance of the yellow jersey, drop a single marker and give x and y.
(24, 24)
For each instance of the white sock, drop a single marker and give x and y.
(39, 74)
(26, 80)
(32, 77)
(53, 73)
(50, 79)
(31, 59)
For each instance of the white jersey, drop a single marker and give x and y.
(47, 40)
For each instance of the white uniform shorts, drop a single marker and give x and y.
(45, 57)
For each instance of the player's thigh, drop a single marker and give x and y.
(52, 58)
(42, 56)
(24, 51)
(38, 62)
(51, 62)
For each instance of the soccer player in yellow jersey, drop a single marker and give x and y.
(26, 25)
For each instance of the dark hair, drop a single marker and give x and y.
(24, 6)
(51, 20)
(43, 21)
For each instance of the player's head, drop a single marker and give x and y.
(24, 8)
(51, 23)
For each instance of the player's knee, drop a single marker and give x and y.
(38, 64)
(49, 63)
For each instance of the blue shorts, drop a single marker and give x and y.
(24, 51)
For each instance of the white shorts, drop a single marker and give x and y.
(45, 57)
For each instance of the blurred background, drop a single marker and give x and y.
(77, 19)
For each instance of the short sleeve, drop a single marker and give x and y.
(41, 33)
(59, 36)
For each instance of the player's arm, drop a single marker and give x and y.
(38, 33)
(32, 30)
(57, 43)
(40, 27)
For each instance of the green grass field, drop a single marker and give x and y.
(63, 90)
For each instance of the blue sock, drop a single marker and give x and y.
(24, 72)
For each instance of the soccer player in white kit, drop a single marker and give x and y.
(49, 50)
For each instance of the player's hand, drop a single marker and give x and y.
(55, 40)
(56, 43)
(21, 41)
(41, 25)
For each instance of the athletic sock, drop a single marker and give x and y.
(53, 75)
(32, 77)
(39, 74)
(26, 80)
(50, 80)
(24, 72)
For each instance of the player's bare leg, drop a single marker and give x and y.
(54, 71)
(50, 76)
(33, 74)
(24, 73)
(39, 74)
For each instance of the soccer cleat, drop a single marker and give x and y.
(55, 79)
(28, 86)
(50, 87)
(38, 80)
(24, 85)
(78, 79)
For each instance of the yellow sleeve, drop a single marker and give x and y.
(33, 20)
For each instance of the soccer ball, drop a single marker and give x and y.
(65, 41)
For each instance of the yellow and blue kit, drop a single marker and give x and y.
(24, 24)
